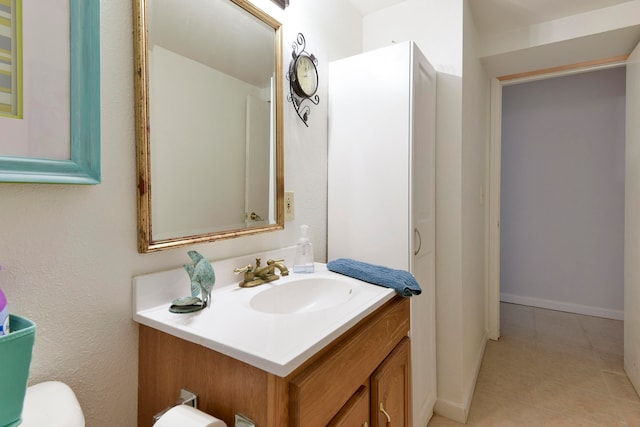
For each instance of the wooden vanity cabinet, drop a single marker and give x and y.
(342, 385)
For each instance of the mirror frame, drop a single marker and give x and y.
(143, 139)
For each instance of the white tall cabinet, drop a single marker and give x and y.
(381, 191)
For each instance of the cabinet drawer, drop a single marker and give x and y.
(318, 393)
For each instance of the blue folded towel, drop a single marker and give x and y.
(401, 281)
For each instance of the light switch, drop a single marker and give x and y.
(289, 210)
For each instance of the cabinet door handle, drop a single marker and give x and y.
(385, 414)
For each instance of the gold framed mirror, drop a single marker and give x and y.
(209, 121)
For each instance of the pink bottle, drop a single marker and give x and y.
(4, 313)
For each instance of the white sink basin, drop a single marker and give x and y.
(304, 295)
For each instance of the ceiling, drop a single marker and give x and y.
(366, 7)
(494, 17)
(497, 16)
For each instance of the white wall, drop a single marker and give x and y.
(475, 120)
(437, 28)
(69, 252)
(632, 223)
(562, 215)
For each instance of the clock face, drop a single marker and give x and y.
(306, 75)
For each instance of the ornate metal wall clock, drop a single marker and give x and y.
(282, 3)
(303, 79)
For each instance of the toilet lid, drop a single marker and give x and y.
(51, 404)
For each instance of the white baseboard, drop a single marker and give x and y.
(459, 411)
(452, 410)
(562, 306)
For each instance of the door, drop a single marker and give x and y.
(632, 223)
(494, 222)
(423, 310)
(390, 389)
(258, 188)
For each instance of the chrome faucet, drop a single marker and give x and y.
(261, 274)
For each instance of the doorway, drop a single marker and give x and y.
(494, 232)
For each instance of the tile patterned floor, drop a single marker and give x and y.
(551, 368)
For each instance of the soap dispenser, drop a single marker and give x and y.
(304, 252)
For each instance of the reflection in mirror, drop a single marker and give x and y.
(209, 121)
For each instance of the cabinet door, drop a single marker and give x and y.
(368, 157)
(390, 389)
(356, 412)
(423, 267)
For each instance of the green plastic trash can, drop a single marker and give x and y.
(15, 359)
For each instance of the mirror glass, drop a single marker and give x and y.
(208, 121)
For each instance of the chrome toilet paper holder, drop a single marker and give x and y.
(187, 397)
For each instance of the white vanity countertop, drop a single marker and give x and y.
(276, 343)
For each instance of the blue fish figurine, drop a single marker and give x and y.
(202, 276)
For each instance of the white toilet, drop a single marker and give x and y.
(51, 404)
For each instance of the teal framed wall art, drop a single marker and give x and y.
(11, 58)
(73, 105)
